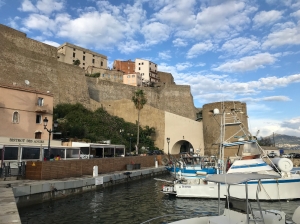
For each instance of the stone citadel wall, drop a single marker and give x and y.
(25, 59)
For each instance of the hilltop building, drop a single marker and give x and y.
(128, 67)
(148, 71)
(69, 53)
(134, 79)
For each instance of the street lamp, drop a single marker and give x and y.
(55, 124)
(168, 140)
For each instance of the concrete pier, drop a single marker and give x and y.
(19, 193)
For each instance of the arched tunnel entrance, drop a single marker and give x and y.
(182, 146)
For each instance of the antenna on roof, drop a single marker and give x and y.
(27, 82)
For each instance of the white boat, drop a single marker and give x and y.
(191, 166)
(240, 209)
(253, 159)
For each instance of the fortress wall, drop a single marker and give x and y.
(24, 59)
(20, 40)
(171, 98)
(211, 127)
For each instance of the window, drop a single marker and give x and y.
(83, 63)
(40, 102)
(133, 76)
(93, 61)
(38, 119)
(139, 68)
(74, 55)
(83, 67)
(84, 52)
(30, 153)
(38, 135)
(103, 75)
(16, 117)
(93, 55)
(128, 76)
(101, 63)
(139, 63)
(73, 60)
(83, 58)
(142, 63)
(74, 49)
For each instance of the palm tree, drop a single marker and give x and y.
(139, 99)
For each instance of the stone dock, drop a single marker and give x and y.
(18, 193)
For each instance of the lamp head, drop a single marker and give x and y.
(168, 140)
(45, 122)
(55, 124)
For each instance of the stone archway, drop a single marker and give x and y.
(181, 146)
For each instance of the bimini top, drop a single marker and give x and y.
(238, 178)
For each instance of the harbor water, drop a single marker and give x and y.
(133, 202)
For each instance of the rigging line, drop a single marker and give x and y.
(278, 194)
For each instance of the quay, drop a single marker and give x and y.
(18, 193)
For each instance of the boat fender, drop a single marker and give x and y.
(283, 164)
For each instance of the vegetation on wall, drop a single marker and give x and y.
(76, 62)
(79, 123)
(95, 75)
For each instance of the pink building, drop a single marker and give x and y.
(22, 112)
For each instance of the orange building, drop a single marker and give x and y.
(22, 112)
(128, 67)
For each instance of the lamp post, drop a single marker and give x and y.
(168, 140)
(55, 124)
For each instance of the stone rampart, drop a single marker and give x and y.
(172, 98)
(25, 59)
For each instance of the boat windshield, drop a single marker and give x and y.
(236, 204)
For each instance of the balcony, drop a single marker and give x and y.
(41, 109)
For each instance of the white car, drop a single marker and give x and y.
(285, 156)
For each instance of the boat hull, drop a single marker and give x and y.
(277, 189)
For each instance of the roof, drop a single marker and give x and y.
(238, 178)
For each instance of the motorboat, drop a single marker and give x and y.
(252, 159)
(241, 209)
(191, 166)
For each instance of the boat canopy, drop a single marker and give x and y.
(238, 178)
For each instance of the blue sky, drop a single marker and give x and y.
(245, 50)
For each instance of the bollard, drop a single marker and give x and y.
(156, 163)
(95, 171)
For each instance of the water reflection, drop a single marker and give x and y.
(130, 203)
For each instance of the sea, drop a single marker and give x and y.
(132, 203)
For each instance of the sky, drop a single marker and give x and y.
(244, 50)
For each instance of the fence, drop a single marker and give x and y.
(13, 169)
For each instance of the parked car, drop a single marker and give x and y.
(297, 155)
(292, 154)
(272, 154)
(286, 155)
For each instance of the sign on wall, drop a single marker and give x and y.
(98, 180)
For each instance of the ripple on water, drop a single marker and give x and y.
(130, 203)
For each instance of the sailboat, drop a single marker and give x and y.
(250, 158)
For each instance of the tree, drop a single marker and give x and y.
(139, 99)
(76, 62)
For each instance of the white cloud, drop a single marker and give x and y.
(288, 35)
(200, 48)
(183, 66)
(2, 3)
(27, 6)
(268, 98)
(266, 18)
(177, 13)
(91, 26)
(227, 19)
(296, 14)
(43, 6)
(39, 22)
(240, 46)
(49, 6)
(165, 55)
(52, 43)
(247, 63)
(155, 33)
(293, 123)
(178, 42)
